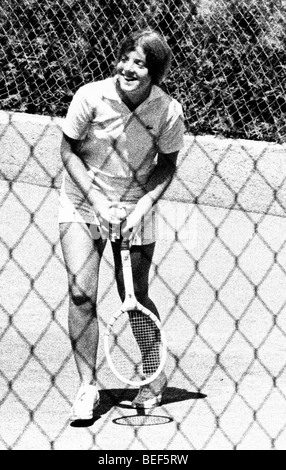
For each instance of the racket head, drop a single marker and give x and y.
(135, 346)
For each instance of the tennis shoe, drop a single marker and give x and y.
(86, 401)
(150, 395)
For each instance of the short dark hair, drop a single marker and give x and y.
(158, 53)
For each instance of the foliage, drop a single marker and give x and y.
(228, 66)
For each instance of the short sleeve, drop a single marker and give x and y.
(171, 138)
(78, 117)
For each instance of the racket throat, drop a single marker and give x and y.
(128, 278)
(130, 302)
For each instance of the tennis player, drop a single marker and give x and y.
(121, 139)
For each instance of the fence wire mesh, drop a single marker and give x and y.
(218, 275)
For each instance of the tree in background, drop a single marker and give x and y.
(228, 67)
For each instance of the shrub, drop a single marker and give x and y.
(228, 67)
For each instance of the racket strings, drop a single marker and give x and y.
(135, 346)
(148, 337)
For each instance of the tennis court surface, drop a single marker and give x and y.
(221, 294)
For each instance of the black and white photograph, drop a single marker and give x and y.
(143, 227)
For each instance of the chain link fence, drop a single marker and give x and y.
(219, 272)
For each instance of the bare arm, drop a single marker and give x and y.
(155, 188)
(157, 184)
(78, 172)
(159, 180)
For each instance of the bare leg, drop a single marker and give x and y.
(82, 255)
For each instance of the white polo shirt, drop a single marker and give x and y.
(118, 146)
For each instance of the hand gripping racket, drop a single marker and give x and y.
(134, 342)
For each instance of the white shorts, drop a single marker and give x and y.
(82, 212)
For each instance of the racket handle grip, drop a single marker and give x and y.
(125, 244)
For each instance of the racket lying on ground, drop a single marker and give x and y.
(134, 342)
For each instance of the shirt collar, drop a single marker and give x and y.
(109, 91)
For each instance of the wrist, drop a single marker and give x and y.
(145, 204)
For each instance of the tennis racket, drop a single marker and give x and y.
(134, 342)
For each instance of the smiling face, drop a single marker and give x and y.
(133, 75)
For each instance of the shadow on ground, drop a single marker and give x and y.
(114, 397)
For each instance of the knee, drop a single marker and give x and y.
(81, 299)
(81, 293)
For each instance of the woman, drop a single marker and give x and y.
(121, 139)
